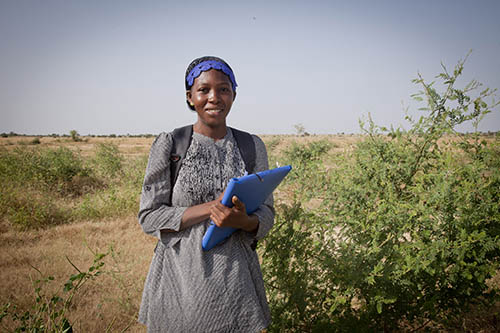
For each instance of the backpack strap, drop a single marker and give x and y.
(246, 145)
(181, 138)
(247, 149)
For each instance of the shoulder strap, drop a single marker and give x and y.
(181, 140)
(246, 145)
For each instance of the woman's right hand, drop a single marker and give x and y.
(235, 217)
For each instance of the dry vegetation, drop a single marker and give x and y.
(111, 301)
(132, 146)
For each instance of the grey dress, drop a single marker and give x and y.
(188, 289)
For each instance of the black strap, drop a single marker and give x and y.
(181, 138)
(246, 145)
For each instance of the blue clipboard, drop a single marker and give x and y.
(252, 190)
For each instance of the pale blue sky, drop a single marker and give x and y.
(104, 67)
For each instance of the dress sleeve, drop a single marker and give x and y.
(154, 213)
(265, 212)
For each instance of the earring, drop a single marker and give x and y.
(191, 103)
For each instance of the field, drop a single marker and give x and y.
(53, 226)
(112, 300)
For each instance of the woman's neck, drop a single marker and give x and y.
(215, 133)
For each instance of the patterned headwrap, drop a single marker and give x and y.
(209, 64)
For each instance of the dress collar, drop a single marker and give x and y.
(206, 139)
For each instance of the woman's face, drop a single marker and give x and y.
(212, 96)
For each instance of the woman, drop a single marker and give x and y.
(188, 289)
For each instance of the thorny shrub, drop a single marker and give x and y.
(413, 230)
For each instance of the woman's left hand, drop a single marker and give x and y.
(235, 217)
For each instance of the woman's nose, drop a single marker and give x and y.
(213, 96)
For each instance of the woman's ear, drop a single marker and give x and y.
(188, 97)
(234, 95)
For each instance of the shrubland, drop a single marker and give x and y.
(406, 235)
(44, 187)
(392, 230)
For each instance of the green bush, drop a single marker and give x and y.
(296, 282)
(35, 141)
(308, 173)
(108, 160)
(111, 202)
(53, 169)
(118, 198)
(302, 155)
(30, 210)
(44, 187)
(36, 184)
(412, 233)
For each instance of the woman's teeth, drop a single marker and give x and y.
(213, 112)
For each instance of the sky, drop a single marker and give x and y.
(117, 67)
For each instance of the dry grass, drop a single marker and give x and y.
(128, 146)
(112, 298)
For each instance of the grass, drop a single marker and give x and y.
(89, 203)
(112, 298)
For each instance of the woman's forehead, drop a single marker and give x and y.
(212, 76)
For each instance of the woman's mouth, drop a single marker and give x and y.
(213, 112)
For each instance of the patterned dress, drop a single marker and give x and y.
(188, 289)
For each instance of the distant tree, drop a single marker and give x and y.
(300, 129)
(74, 135)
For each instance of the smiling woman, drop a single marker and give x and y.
(188, 289)
(212, 97)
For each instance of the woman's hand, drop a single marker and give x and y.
(235, 217)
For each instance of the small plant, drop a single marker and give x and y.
(48, 313)
(35, 141)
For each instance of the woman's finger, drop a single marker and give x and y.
(215, 211)
(238, 203)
